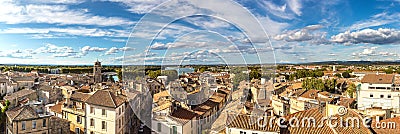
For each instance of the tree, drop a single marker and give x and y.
(254, 74)
(119, 74)
(350, 91)
(154, 74)
(338, 75)
(346, 74)
(238, 78)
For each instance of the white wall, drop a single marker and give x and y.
(110, 118)
(365, 101)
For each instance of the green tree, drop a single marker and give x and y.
(351, 89)
(154, 74)
(254, 74)
(338, 75)
(238, 78)
(346, 74)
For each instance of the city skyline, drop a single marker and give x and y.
(79, 32)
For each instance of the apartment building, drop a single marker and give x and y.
(106, 113)
(379, 94)
(26, 120)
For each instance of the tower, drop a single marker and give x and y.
(97, 72)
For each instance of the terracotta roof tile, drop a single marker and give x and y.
(378, 79)
(388, 130)
(105, 98)
(78, 96)
(182, 115)
(249, 122)
(22, 113)
(57, 108)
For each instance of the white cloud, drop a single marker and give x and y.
(114, 50)
(295, 6)
(39, 33)
(86, 49)
(309, 33)
(375, 20)
(274, 9)
(13, 13)
(55, 1)
(139, 6)
(369, 36)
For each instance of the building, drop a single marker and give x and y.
(73, 110)
(25, 119)
(7, 87)
(106, 113)
(25, 82)
(379, 91)
(97, 72)
(20, 97)
(247, 124)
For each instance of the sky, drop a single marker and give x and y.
(115, 32)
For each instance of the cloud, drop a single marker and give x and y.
(86, 49)
(375, 20)
(139, 6)
(309, 33)
(274, 9)
(51, 48)
(13, 13)
(369, 36)
(114, 50)
(180, 45)
(295, 6)
(372, 51)
(39, 33)
(55, 1)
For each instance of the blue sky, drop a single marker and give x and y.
(206, 32)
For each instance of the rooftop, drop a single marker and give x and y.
(378, 79)
(105, 98)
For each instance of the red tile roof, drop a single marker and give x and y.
(378, 79)
(105, 98)
(249, 122)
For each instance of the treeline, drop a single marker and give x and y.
(68, 69)
(319, 84)
(306, 73)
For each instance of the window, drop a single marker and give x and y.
(159, 127)
(92, 110)
(242, 132)
(23, 125)
(44, 123)
(389, 96)
(78, 119)
(92, 122)
(91, 132)
(371, 95)
(120, 111)
(174, 131)
(382, 96)
(103, 112)
(120, 124)
(103, 125)
(77, 131)
(33, 124)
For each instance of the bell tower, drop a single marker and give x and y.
(97, 72)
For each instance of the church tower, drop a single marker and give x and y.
(97, 72)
